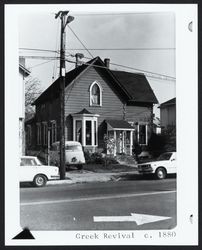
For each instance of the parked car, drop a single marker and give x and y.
(32, 170)
(74, 155)
(165, 164)
(144, 156)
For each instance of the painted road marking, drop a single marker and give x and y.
(94, 198)
(140, 219)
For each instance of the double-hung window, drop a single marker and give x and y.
(85, 129)
(45, 133)
(38, 125)
(53, 131)
(29, 134)
(142, 134)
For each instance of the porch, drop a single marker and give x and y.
(121, 132)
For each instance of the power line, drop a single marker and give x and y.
(124, 49)
(42, 57)
(80, 41)
(41, 64)
(148, 73)
(123, 66)
(119, 13)
(42, 50)
(57, 51)
(143, 71)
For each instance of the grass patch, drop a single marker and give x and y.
(111, 168)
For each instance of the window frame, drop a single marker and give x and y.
(29, 134)
(53, 131)
(94, 129)
(38, 125)
(45, 133)
(91, 94)
(146, 134)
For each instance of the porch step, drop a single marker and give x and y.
(126, 160)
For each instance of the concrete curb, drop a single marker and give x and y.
(87, 177)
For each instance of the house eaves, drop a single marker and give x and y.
(54, 88)
(170, 102)
(72, 76)
(118, 81)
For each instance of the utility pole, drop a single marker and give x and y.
(64, 21)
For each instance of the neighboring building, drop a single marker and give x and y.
(98, 102)
(168, 113)
(156, 125)
(23, 73)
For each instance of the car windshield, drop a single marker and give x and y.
(73, 147)
(39, 163)
(164, 156)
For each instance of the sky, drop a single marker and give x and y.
(139, 40)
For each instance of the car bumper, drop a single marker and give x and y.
(148, 171)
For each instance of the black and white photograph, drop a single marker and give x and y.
(99, 128)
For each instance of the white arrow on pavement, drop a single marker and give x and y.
(138, 218)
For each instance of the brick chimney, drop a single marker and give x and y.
(78, 56)
(107, 62)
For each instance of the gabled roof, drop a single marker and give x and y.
(54, 88)
(84, 111)
(168, 103)
(137, 85)
(119, 124)
(127, 84)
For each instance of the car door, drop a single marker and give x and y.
(27, 169)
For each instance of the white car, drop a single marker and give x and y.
(73, 154)
(32, 170)
(165, 164)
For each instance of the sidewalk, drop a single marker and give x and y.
(84, 176)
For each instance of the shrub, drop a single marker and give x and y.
(137, 149)
(87, 157)
(98, 158)
(156, 144)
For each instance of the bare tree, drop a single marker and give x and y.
(32, 91)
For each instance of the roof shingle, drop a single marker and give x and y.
(119, 124)
(137, 85)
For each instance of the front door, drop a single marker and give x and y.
(119, 142)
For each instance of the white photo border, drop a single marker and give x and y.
(187, 129)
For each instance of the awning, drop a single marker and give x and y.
(119, 125)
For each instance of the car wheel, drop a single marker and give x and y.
(161, 173)
(40, 180)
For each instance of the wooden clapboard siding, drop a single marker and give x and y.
(46, 112)
(77, 97)
(138, 113)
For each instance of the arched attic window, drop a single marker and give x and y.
(95, 94)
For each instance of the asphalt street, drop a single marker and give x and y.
(121, 205)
